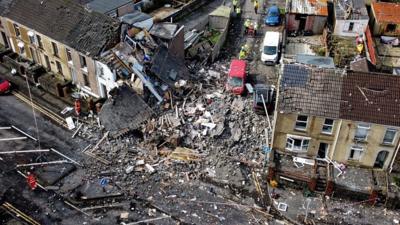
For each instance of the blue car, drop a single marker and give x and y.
(273, 17)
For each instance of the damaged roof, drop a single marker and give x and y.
(371, 97)
(164, 30)
(312, 91)
(351, 10)
(67, 22)
(355, 95)
(168, 67)
(309, 7)
(124, 111)
(386, 12)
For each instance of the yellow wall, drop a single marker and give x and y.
(343, 131)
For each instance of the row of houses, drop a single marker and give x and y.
(350, 17)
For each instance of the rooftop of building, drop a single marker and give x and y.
(352, 95)
(386, 12)
(65, 21)
(104, 6)
(309, 7)
(350, 10)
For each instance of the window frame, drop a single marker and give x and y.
(394, 136)
(39, 41)
(290, 140)
(365, 126)
(356, 148)
(59, 67)
(328, 125)
(86, 80)
(17, 30)
(68, 52)
(55, 49)
(296, 127)
(82, 61)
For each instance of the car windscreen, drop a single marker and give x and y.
(270, 50)
(235, 82)
(273, 14)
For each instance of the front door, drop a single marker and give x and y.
(322, 150)
(380, 159)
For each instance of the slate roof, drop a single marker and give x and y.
(386, 12)
(125, 111)
(371, 97)
(310, 91)
(67, 22)
(104, 6)
(169, 68)
(355, 95)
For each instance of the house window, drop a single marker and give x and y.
(351, 26)
(301, 122)
(59, 67)
(389, 136)
(327, 128)
(21, 49)
(39, 41)
(362, 132)
(86, 81)
(356, 153)
(16, 29)
(391, 27)
(55, 49)
(297, 144)
(83, 61)
(69, 55)
(46, 58)
(31, 37)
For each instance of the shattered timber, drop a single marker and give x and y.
(196, 112)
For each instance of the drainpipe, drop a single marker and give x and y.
(394, 157)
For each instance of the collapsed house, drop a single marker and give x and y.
(329, 120)
(351, 18)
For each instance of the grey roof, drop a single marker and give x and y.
(164, 30)
(357, 9)
(168, 67)
(310, 91)
(134, 17)
(67, 22)
(124, 111)
(318, 61)
(104, 6)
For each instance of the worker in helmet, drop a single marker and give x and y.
(247, 24)
(255, 27)
(238, 12)
(235, 4)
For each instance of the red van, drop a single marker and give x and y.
(236, 77)
(4, 86)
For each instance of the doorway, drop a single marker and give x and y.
(322, 150)
(380, 159)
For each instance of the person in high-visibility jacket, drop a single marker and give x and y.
(255, 27)
(255, 6)
(235, 4)
(242, 54)
(246, 25)
(238, 11)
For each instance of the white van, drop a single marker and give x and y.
(271, 48)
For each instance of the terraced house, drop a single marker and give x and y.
(62, 36)
(343, 116)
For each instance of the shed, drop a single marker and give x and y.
(306, 15)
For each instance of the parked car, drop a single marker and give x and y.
(270, 48)
(267, 92)
(273, 17)
(236, 77)
(5, 86)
